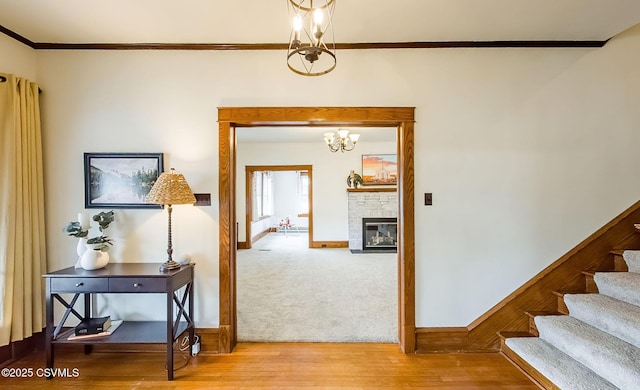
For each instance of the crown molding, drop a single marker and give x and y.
(284, 46)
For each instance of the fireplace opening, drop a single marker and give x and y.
(379, 234)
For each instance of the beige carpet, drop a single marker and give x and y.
(287, 292)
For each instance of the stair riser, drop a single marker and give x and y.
(562, 307)
(619, 265)
(590, 284)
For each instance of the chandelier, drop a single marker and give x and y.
(309, 54)
(344, 141)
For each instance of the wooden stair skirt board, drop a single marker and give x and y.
(543, 292)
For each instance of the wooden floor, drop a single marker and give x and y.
(278, 366)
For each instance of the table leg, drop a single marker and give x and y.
(49, 326)
(170, 335)
(87, 314)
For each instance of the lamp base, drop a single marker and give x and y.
(169, 265)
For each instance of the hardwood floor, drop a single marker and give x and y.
(278, 366)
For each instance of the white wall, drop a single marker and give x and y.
(17, 58)
(285, 198)
(329, 175)
(527, 151)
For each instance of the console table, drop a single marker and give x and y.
(122, 278)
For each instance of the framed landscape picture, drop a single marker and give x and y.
(379, 169)
(120, 180)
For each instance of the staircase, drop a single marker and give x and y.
(592, 341)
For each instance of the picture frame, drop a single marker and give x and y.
(120, 180)
(379, 169)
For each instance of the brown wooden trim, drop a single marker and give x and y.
(400, 117)
(243, 245)
(279, 167)
(303, 215)
(209, 340)
(373, 189)
(406, 237)
(17, 37)
(260, 235)
(328, 244)
(18, 349)
(448, 339)
(339, 46)
(227, 235)
(248, 205)
(249, 170)
(284, 46)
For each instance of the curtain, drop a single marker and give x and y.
(22, 236)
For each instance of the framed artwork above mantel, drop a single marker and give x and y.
(120, 180)
(379, 169)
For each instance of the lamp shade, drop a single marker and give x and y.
(171, 188)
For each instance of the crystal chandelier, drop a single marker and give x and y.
(344, 141)
(309, 54)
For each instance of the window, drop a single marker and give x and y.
(303, 194)
(262, 195)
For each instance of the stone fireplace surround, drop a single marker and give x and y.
(372, 202)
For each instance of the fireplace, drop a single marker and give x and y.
(379, 234)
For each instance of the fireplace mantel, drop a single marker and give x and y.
(373, 189)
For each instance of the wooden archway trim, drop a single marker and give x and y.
(402, 118)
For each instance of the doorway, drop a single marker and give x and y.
(402, 118)
(305, 175)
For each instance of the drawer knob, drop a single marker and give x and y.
(137, 285)
(79, 284)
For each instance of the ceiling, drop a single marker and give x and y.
(355, 21)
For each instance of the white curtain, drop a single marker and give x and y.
(22, 237)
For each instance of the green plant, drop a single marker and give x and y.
(74, 229)
(104, 219)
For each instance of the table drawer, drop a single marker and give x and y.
(79, 285)
(134, 285)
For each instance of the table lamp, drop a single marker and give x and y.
(171, 188)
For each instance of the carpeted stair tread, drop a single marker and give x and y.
(632, 258)
(618, 318)
(609, 357)
(555, 365)
(624, 286)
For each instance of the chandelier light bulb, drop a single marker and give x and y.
(297, 23)
(343, 133)
(354, 137)
(318, 16)
(328, 137)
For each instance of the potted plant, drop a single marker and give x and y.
(92, 252)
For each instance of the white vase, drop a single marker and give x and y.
(81, 248)
(94, 258)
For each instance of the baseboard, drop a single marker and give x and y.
(209, 340)
(329, 244)
(260, 235)
(443, 340)
(18, 349)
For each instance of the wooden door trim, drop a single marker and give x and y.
(247, 196)
(402, 118)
